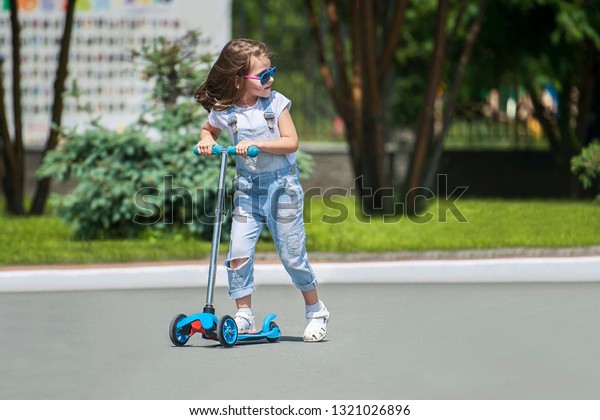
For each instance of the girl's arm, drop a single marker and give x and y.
(208, 138)
(287, 143)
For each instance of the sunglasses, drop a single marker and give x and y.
(265, 77)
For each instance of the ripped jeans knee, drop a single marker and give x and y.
(240, 275)
(292, 253)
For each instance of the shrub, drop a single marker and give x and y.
(128, 183)
(586, 166)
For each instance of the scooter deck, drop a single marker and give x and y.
(270, 331)
(272, 334)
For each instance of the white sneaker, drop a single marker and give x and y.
(245, 323)
(316, 325)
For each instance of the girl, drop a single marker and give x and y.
(238, 96)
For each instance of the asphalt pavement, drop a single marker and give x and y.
(403, 340)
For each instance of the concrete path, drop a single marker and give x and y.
(479, 270)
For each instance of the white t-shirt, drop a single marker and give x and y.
(251, 118)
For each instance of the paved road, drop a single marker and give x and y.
(386, 341)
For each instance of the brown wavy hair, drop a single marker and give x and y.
(219, 91)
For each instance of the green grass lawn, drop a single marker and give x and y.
(45, 240)
(330, 228)
(489, 224)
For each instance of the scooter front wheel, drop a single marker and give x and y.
(179, 336)
(227, 331)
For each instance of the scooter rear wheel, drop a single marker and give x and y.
(272, 326)
(179, 336)
(227, 331)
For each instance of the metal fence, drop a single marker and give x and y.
(488, 134)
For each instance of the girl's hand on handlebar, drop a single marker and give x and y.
(242, 148)
(205, 147)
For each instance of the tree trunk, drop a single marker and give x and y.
(16, 85)
(12, 184)
(13, 154)
(452, 96)
(358, 89)
(425, 127)
(43, 185)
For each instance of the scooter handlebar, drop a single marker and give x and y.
(218, 149)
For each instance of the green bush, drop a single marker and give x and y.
(128, 183)
(586, 166)
(144, 180)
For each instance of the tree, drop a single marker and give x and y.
(43, 184)
(12, 150)
(358, 85)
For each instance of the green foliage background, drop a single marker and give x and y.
(586, 166)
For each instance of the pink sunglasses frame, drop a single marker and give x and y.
(270, 72)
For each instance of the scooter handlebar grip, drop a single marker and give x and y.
(217, 150)
(252, 151)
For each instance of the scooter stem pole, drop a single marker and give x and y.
(214, 253)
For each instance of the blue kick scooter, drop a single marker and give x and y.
(224, 330)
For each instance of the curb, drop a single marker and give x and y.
(497, 270)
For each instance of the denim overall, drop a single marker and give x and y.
(267, 191)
